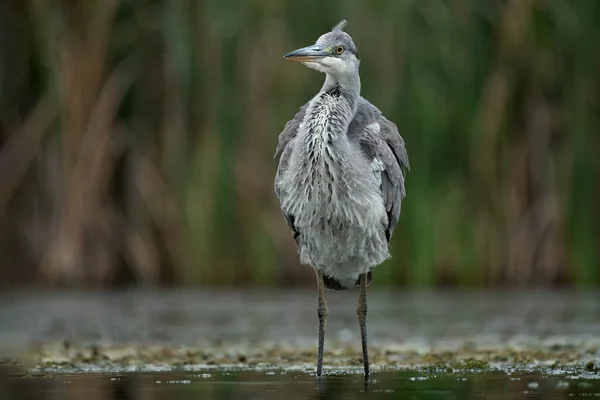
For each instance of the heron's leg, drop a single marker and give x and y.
(322, 312)
(361, 311)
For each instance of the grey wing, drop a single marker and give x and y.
(382, 144)
(284, 146)
(290, 130)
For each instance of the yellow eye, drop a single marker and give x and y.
(339, 50)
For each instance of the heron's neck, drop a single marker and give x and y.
(349, 88)
(330, 112)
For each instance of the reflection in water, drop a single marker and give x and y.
(277, 384)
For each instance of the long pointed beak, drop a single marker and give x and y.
(309, 53)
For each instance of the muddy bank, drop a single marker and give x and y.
(443, 332)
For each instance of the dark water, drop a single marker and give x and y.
(279, 384)
(441, 337)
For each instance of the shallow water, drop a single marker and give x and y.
(281, 384)
(262, 344)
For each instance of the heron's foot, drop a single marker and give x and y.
(321, 384)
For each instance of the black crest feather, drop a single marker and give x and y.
(341, 25)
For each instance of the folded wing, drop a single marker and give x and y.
(382, 144)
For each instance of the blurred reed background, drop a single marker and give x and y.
(137, 138)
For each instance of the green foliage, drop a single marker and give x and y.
(149, 155)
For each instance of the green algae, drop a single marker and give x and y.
(71, 357)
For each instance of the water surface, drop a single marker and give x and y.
(282, 384)
(262, 344)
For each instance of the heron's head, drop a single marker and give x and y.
(334, 53)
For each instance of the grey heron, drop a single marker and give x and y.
(340, 179)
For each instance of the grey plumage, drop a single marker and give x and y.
(366, 145)
(340, 180)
